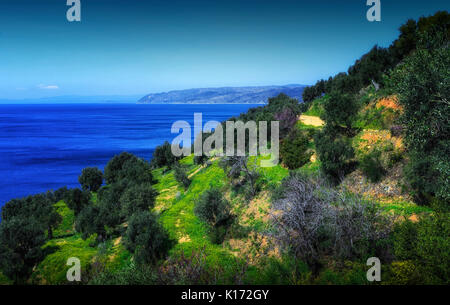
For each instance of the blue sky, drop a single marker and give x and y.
(137, 47)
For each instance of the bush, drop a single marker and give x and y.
(340, 110)
(335, 154)
(146, 238)
(162, 156)
(88, 222)
(427, 245)
(287, 119)
(180, 176)
(213, 209)
(314, 222)
(76, 200)
(128, 167)
(137, 198)
(200, 160)
(294, 149)
(91, 179)
(239, 166)
(21, 241)
(371, 166)
(423, 82)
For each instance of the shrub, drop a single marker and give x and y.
(294, 149)
(76, 200)
(137, 198)
(314, 222)
(162, 156)
(146, 238)
(335, 154)
(287, 119)
(88, 222)
(21, 241)
(180, 176)
(371, 166)
(91, 179)
(200, 160)
(427, 245)
(238, 166)
(423, 81)
(213, 209)
(128, 167)
(340, 109)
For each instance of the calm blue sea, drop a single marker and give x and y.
(45, 147)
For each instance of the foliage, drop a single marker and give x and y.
(371, 166)
(427, 245)
(21, 240)
(314, 221)
(181, 176)
(88, 222)
(128, 167)
(423, 81)
(294, 149)
(340, 110)
(77, 199)
(140, 197)
(38, 207)
(287, 119)
(146, 238)
(162, 156)
(212, 208)
(238, 166)
(335, 154)
(91, 179)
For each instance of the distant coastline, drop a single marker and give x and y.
(223, 95)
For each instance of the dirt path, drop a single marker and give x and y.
(311, 120)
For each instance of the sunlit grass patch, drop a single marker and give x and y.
(53, 269)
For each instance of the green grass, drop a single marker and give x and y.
(316, 108)
(405, 208)
(180, 221)
(4, 280)
(53, 269)
(68, 218)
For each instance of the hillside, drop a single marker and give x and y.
(363, 173)
(224, 95)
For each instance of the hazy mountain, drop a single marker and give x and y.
(223, 95)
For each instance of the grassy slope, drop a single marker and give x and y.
(175, 206)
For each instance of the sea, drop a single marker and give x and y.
(45, 147)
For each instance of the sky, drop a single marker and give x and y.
(132, 47)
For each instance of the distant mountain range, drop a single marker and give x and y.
(223, 95)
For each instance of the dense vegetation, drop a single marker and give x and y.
(370, 180)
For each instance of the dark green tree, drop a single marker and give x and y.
(181, 176)
(340, 110)
(146, 238)
(91, 179)
(335, 154)
(212, 208)
(137, 198)
(162, 156)
(423, 82)
(77, 199)
(294, 149)
(21, 241)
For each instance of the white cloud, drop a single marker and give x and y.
(48, 87)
